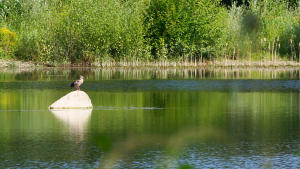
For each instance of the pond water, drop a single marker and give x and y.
(152, 118)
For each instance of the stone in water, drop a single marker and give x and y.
(73, 100)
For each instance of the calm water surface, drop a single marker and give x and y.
(151, 118)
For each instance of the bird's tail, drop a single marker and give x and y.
(72, 85)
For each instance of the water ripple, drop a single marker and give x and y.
(164, 85)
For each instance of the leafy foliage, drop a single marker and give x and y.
(183, 27)
(8, 40)
(87, 31)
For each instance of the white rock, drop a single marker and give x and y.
(73, 100)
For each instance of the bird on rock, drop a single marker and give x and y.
(77, 83)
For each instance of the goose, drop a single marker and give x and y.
(77, 83)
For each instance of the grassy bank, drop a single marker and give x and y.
(239, 64)
(150, 32)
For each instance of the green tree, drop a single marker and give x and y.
(185, 28)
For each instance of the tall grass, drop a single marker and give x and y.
(263, 30)
(134, 31)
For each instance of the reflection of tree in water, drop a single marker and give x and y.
(61, 74)
(76, 72)
(41, 74)
(33, 75)
(52, 74)
(158, 99)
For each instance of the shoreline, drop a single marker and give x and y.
(233, 64)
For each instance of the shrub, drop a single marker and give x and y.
(186, 28)
(8, 40)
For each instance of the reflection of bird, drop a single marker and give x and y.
(77, 83)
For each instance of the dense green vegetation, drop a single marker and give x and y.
(87, 31)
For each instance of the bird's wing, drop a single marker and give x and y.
(74, 83)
